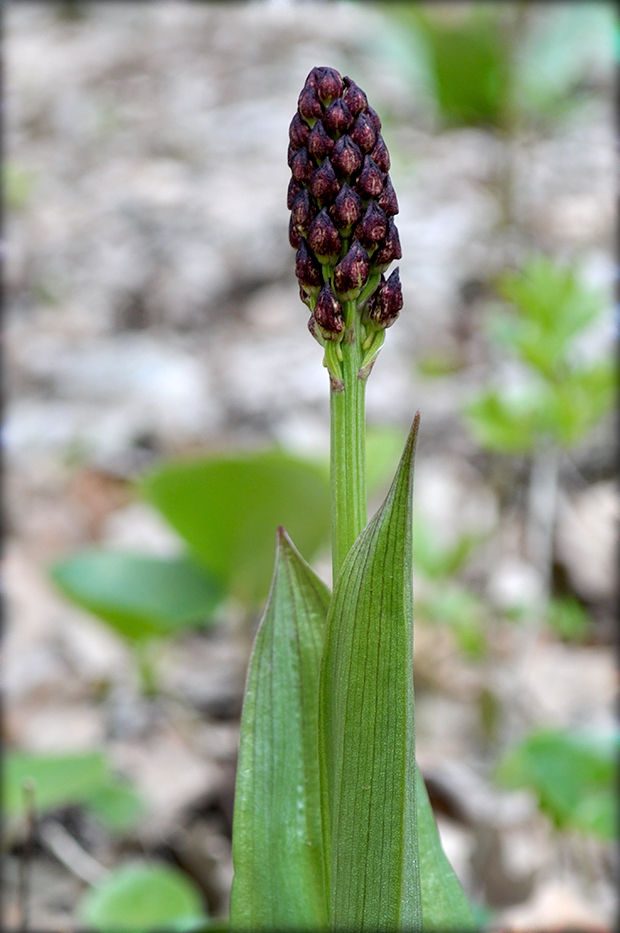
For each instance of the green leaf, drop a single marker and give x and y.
(117, 805)
(445, 908)
(383, 449)
(572, 774)
(140, 596)
(226, 508)
(277, 838)
(59, 779)
(141, 898)
(366, 726)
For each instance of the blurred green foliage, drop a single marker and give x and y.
(141, 898)
(78, 778)
(573, 776)
(486, 64)
(559, 397)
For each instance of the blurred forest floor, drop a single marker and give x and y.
(153, 312)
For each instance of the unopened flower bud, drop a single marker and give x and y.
(328, 313)
(347, 208)
(319, 144)
(323, 238)
(387, 200)
(354, 97)
(294, 188)
(346, 156)
(374, 116)
(302, 166)
(364, 133)
(305, 297)
(309, 105)
(337, 117)
(329, 84)
(324, 185)
(351, 273)
(389, 250)
(386, 303)
(370, 181)
(380, 154)
(298, 132)
(294, 235)
(303, 211)
(372, 228)
(308, 269)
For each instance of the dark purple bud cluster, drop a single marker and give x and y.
(342, 205)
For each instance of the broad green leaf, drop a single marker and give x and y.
(141, 898)
(572, 774)
(117, 805)
(226, 508)
(59, 779)
(140, 596)
(445, 908)
(366, 726)
(277, 838)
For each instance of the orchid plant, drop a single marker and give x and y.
(333, 829)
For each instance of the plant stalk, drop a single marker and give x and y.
(348, 447)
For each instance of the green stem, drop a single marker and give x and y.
(348, 447)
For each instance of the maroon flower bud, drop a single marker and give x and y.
(324, 184)
(328, 84)
(387, 301)
(380, 154)
(323, 238)
(374, 116)
(308, 269)
(354, 97)
(389, 250)
(328, 313)
(298, 132)
(293, 190)
(351, 273)
(387, 200)
(294, 235)
(364, 133)
(302, 166)
(370, 181)
(309, 105)
(346, 156)
(337, 117)
(347, 208)
(372, 228)
(305, 297)
(319, 143)
(303, 211)
(313, 77)
(290, 152)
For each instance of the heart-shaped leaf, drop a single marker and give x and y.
(138, 595)
(226, 508)
(277, 839)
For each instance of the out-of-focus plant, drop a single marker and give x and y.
(489, 65)
(556, 395)
(141, 897)
(573, 776)
(72, 778)
(224, 508)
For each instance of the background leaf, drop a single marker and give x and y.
(144, 898)
(366, 728)
(59, 779)
(140, 596)
(277, 839)
(228, 507)
(573, 776)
